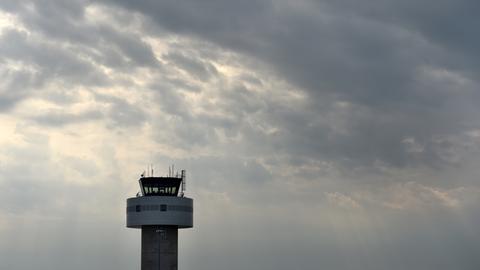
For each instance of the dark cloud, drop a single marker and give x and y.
(21, 81)
(62, 45)
(41, 63)
(121, 112)
(342, 52)
(60, 118)
(129, 45)
(198, 69)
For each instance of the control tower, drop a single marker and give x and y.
(159, 210)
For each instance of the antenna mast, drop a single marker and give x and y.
(184, 181)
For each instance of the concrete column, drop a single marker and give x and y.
(159, 247)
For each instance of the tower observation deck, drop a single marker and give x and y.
(159, 210)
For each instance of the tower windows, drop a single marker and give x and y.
(159, 207)
(160, 186)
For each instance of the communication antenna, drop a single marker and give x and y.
(184, 181)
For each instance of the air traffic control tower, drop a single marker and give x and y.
(159, 210)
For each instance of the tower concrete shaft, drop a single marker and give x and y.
(159, 247)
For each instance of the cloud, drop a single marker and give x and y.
(199, 70)
(336, 54)
(61, 118)
(341, 200)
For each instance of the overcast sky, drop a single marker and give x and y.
(334, 134)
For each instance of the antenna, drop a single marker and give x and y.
(184, 181)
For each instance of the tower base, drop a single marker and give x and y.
(159, 247)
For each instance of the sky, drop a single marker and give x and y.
(315, 134)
